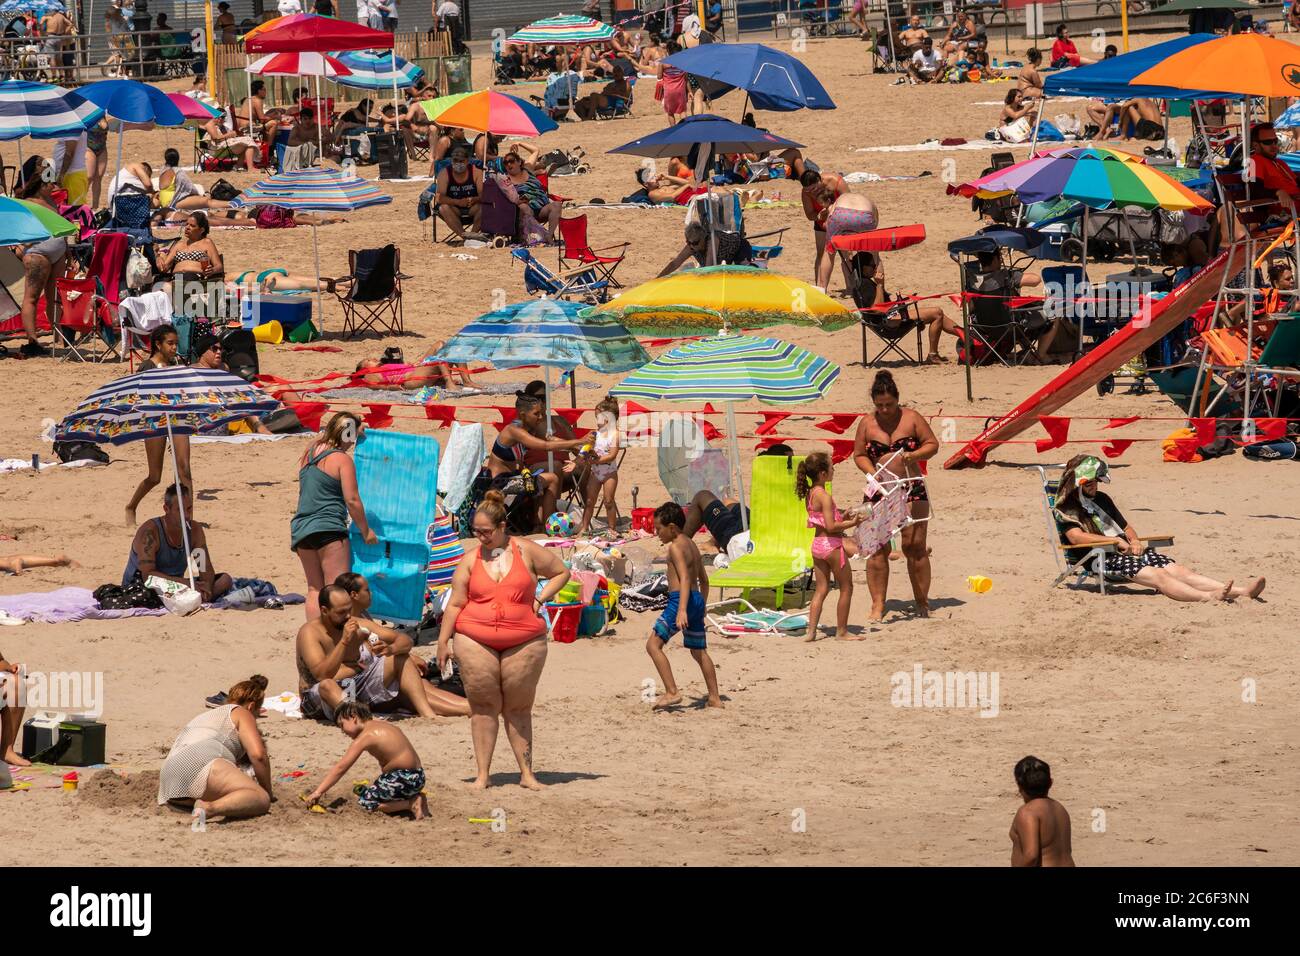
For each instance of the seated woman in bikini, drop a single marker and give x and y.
(194, 253)
(510, 450)
(668, 188)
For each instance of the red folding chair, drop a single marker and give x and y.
(575, 250)
(83, 320)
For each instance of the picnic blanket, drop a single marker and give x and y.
(78, 604)
(933, 145)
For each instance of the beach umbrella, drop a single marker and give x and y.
(298, 64)
(376, 71)
(39, 7)
(549, 332)
(312, 33)
(164, 402)
(22, 222)
(732, 368)
(771, 79)
(130, 101)
(1247, 63)
(740, 296)
(564, 30)
(43, 111)
(714, 134)
(487, 111)
(314, 189)
(194, 109)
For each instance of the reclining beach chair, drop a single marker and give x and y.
(575, 250)
(618, 106)
(393, 476)
(372, 300)
(780, 539)
(747, 619)
(1086, 561)
(582, 282)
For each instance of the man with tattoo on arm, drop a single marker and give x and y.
(158, 549)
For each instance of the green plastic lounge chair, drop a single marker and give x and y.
(780, 539)
(1083, 562)
(1281, 356)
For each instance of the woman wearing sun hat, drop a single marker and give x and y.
(1089, 517)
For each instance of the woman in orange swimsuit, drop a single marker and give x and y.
(897, 438)
(500, 638)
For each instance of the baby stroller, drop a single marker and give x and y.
(521, 494)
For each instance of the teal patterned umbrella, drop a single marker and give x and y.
(548, 332)
(733, 368)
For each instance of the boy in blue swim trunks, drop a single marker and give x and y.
(686, 576)
(400, 784)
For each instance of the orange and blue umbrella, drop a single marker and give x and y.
(488, 111)
(1096, 176)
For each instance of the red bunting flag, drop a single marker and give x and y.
(770, 421)
(838, 424)
(1116, 447)
(655, 343)
(771, 440)
(444, 415)
(1270, 429)
(1121, 422)
(709, 431)
(841, 448)
(309, 413)
(580, 432)
(1057, 429)
(378, 416)
(507, 413)
(709, 409)
(570, 415)
(634, 408)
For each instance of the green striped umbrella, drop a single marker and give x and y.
(733, 368)
(564, 29)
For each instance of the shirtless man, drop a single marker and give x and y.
(1040, 832)
(57, 27)
(341, 658)
(912, 37)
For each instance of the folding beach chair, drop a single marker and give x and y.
(780, 539)
(1251, 379)
(747, 619)
(131, 214)
(892, 323)
(1086, 561)
(581, 282)
(619, 107)
(84, 320)
(373, 297)
(763, 252)
(575, 250)
(393, 477)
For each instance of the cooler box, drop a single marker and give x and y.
(289, 310)
(69, 740)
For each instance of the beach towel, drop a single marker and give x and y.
(148, 311)
(931, 145)
(461, 461)
(78, 604)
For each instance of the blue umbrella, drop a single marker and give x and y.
(38, 7)
(774, 80)
(722, 135)
(131, 101)
(374, 71)
(43, 111)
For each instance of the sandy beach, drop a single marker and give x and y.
(1134, 700)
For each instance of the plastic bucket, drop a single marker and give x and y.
(643, 519)
(565, 619)
(593, 620)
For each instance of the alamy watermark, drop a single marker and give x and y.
(71, 692)
(969, 690)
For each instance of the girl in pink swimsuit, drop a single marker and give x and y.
(830, 549)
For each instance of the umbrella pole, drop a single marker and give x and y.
(550, 455)
(121, 134)
(320, 130)
(180, 503)
(320, 301)
(735, 464)
(1079, 352)
(573, 388)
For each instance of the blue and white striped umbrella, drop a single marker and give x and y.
(143, 405)
(375, 71)
(548, 332)
(317, 187)
(38, 7)
(43, 111)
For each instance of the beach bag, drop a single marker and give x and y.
(223, 191)
(274, 217)
(176, 597)
(1048, 133)
(1149, 129)
(80, 451)
(139, 273)
(1017, 131)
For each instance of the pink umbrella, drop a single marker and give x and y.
(194, 109)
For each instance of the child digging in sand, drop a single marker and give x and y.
(830, 549)
(1040, 832)
(686, 576)
(400, 784)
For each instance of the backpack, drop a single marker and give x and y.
(223, 191)
(139, 273)
(80, 451)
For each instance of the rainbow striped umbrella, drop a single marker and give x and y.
(317, 188)
(1096, 176)
(741, 296)
(488, 111)
(564, 30)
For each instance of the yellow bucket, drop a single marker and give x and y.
(978, 584)
(269, 333)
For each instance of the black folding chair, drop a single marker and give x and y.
(372, 300)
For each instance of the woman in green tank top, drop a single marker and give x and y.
(327, 495)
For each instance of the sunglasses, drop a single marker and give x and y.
(214, 348)
(484, 532)
(1266, 142)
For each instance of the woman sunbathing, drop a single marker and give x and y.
(1091, 518)
(18, 563)
(431, 371)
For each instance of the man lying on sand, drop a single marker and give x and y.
(400, 784)
(1040, 832)
(338, 657)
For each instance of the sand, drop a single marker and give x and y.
(1135, 701)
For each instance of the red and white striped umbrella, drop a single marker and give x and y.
(298, 64)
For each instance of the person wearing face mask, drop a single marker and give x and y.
(459, 191)
(897, 439)
(1089, 518)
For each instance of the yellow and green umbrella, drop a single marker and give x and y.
(738, 296)
(22, 222)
